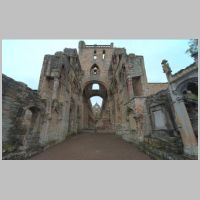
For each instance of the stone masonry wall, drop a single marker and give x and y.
(153, 88)
(18, 134)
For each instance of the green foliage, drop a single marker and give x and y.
(193, 48)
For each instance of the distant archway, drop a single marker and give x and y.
(95, 86)
(95, 106)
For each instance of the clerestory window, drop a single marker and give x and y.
(95, 54)
(103, 55)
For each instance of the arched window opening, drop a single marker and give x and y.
(27, 117)
(193, 88)
(94, 70)
(95, 54)
(31, 119)
(95, 86)
(96, 103)
(96, 100)
(191, 92)
(103, 56)
(35, 111)
(120, 57)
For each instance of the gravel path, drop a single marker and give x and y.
(93, 146)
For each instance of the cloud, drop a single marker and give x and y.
(22, 59)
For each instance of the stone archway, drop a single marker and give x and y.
(189, 84)
(31, 123)
(188, 90)
(89, 117)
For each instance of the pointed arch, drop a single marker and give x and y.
(95, 71)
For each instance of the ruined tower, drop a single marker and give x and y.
(95, 61)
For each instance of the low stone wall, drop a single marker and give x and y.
(17, 138)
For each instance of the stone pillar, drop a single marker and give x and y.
(130, 87)
(185, 127)
(55, 88)
(181, 117)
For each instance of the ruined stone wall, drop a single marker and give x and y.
(22, 115)
(37, 119)
(118, 88)
(153, 88)
(128, 88)
(60, 88)
(86, 56)
(137, 74)
(161, 114)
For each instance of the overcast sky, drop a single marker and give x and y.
(22, 59)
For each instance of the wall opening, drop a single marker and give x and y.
(95, 86)
(193, 88)
(94, 70)
(96, 100)
(103, 55)
(190, 91)
(95, 55)
(137, 86)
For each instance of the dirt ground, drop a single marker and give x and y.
(93, 146)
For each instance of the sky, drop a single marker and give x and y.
(22, 59)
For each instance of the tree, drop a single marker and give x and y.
(193, 48)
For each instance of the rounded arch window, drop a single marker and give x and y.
(189, 85)
(95, 70)
(193, 87)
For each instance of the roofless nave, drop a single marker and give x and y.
(160, 118)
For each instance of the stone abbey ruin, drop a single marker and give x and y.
(160, 118)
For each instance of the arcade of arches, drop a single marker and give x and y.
(102, 88)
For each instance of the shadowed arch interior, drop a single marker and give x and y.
(95, 104)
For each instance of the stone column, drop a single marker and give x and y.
(181, 117)
(55, 88)
(185, 127)
(130, 87)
